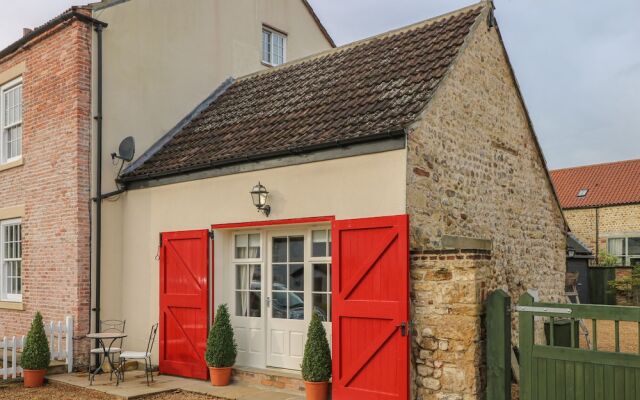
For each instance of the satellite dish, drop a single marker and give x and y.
(126, 150)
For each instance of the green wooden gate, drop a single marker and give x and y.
(550, 372)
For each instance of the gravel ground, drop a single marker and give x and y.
(51, 391)
(57, 391)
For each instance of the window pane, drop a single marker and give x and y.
(254, 245)
(616, 246)
(278, 49)
(241, 304)
(296, 277)
(266, 46)
(242, 242)
(296, 305)
(256, 277)
(319, 243)
(255, 304)
(320, 278)
(242, 277)
(279, 277)
(634, 246)
(296, 249)
(279, 249)
(279, 305)
(321, 306)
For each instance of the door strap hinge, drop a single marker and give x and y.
(552, 310)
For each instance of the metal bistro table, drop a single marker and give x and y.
(103, 337)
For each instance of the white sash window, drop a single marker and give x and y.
(627, 249)
(274, 47)
(11, 260)
(11, 121)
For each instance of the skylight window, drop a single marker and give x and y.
(582, 192)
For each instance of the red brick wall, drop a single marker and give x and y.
(53, 183)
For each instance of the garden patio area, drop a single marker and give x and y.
(76, 386)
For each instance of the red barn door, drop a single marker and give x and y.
(371, 309)
(184, 293)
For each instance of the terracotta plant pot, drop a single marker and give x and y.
(220, 376)
(33, 377)
(317, 390)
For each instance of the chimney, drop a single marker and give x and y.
(26, 31)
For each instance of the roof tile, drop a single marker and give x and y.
(606, 184)
(356, 92)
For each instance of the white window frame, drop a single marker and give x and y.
(626, 257)
(272, 33)
(4, 296)
(327, 259)
(235, 262)
(4, 88)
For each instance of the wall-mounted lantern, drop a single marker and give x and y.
(259, 196)
(571, 252)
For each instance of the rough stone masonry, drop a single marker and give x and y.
(475, 171)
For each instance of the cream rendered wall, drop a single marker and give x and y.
(163, 57)
(363, 186)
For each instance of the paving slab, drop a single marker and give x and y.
(135, 387)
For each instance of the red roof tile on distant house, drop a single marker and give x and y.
(598, 185)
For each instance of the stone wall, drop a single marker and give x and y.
(474, 170)
(51, 185)
(613, 221)
(447, 290)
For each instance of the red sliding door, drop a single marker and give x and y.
(371, 309)
(184, 294)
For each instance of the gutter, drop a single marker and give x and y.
(263, 156)
(67, 15)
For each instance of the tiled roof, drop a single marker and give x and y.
(358, 92)
(605, 184)
(79, 12)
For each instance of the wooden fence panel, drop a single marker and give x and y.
(498, 325)
(552, 372)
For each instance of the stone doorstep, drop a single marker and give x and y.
(270, 377)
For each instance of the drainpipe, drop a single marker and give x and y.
(98, 119)
(597, 235)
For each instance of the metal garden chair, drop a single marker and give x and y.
(141, 355)
(110, 325)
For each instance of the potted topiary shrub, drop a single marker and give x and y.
(221, 348)
(316, 364)
(36, 354)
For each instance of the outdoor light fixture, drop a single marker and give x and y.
(259, 196)
(571, 252)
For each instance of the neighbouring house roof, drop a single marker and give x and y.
(599, 185)
(360, 92)
(581, 250)
(73, 12)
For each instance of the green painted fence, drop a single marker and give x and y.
(549, 372)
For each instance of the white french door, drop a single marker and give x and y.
(278, 279)
(288, 299)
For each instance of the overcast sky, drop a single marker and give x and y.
(577, 61)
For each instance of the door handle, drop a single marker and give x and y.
(403, 328)
(268, 301)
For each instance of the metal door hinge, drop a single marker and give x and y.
(403, 328)
(211, 235)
